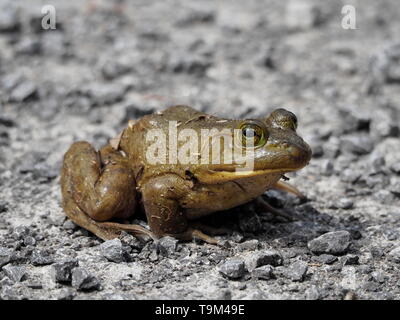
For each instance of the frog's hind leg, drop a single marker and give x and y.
(97, 187)
(191, 234)
(284, 186)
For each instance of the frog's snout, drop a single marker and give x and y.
(300, 153)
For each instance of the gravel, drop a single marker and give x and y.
(103, 67)
(261, 258)
(83, 280)
(5, 256)
(264, 272)
(233, 268)
(15, 273)
(394, 255)
(112, 250)
(336, 242)
(62, 271)
(296, 271)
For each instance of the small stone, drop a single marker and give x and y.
(384, 64)
(15, 273)
(326, 258)
(395, 167)
(233, 268)
(113, 69)
(358, 144)
(349, 175)
(167, 246)
(20, 232)
(345, 203)
(336, 242)
(395, 189)
(249, 245)
(313, 293)
(23, 92)
(29, 241)
(69, 225)
(112, 250)
(28, 46)
(62, 271)
(261, 258)
(394, 255)
(9, 19)
(40, 258)
(302, 15)
(297, 271)
(327, 168)
(105, 93)
(350, 259)
(83, 280)
(263, 272)
(5, 256)
(3, 206)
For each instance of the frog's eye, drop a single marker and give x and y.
(283, 119)
(254, 133)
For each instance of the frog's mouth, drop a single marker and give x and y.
(218, 176)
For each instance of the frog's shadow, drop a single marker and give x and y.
(245, 222)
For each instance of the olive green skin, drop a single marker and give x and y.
(118, 180)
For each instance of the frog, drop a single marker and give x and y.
(102, 190)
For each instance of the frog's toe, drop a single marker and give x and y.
(284, 186)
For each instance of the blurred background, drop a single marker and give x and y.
(110, 61)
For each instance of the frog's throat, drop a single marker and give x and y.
(213, 177)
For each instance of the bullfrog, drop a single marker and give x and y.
(102, 190)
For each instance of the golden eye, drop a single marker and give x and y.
(254, 133)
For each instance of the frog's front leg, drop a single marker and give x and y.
(161, 197)
(284, 186)
(96, 187)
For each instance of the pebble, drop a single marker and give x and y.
(395, 167)
(24, 91)
(384, 64)
(62, 271)
(296, 271)
(336, 242)
(394, 255)
(313, 293)
(9, 19)
(103, 94)
(15, 273)
(112, 250)
(263, 272)
(345, 203)
(249, 245)
(302, 15)
(233, 268)
(29, 241)
(167, 246)
(5, 256)
(261, 258)
(325, 258)
(395, 188)
(327, 168)
(349, 175)
(358, 144)
(40, 258)
(112, 69)
(83, 280)
(69, 225)
(350, 259)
